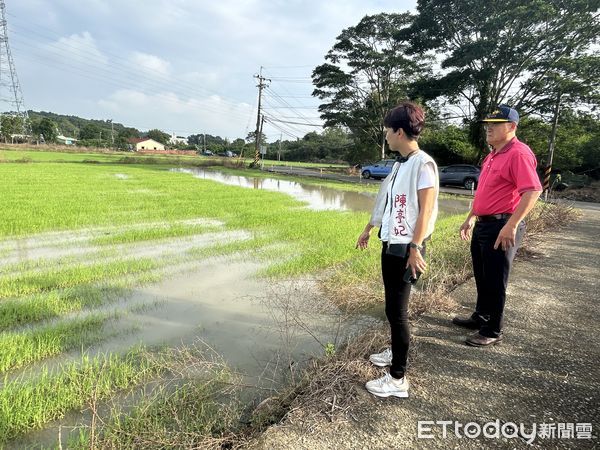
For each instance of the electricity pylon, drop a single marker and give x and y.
(12, 105)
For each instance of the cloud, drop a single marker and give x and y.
(77, 48)
(173, 113)
(150, 64)
(168, 58)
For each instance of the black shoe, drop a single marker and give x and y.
(477, 340)
(467, 323)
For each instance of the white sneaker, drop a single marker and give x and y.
(382, 359)
(387, 386)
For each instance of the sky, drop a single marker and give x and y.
(182, 66)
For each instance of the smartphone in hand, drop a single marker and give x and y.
(408, 276)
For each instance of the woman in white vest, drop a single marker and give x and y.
(405, 211)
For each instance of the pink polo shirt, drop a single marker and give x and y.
(505, 175)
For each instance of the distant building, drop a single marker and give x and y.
(140, 144)
(65, 140)
(178, 140)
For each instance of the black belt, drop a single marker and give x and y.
(493, 217)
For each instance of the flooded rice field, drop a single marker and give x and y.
(193, 295)
(316, 197)
(74, 296)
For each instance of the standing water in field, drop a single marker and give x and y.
(317, 197)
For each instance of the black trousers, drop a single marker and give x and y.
(397, 292)
(491, 269)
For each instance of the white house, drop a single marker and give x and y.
(65, 140)
(145, 144)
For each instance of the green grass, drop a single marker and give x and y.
(183, 418)
(31, 403)
(167, 231)
(42, 154)
(55, 303)
(20, 348)
(58, 278)
(91, 195)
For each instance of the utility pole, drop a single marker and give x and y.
(262, 160)
(548, 168)
(262, 83)
(112, 133)
(204, 141)
(279, 152)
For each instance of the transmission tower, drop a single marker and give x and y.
(11, 97)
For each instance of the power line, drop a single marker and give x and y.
(124, 82)
(53, 35)
(298, 123)
(128, 77)
(165, 97)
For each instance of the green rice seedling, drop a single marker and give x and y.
(196, 405)
(16, 312)
(57, 278)
(194, 412)
(167, 231)
(18, 349)
(30, 403)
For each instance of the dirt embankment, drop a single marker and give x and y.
(584, 194)
(545, 373)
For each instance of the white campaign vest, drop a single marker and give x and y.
(397, 198)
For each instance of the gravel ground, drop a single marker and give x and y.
(545, 372)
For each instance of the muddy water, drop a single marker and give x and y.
(317, 197)
(258, 327)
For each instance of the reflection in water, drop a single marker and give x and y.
(317, 197)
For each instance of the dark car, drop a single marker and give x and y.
(460, 175)
(380, 169)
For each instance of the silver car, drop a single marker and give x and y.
(460, 175)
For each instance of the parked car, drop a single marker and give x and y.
(207, 153)
(460, 175)
(379, 170)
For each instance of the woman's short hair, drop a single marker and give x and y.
(407, 115)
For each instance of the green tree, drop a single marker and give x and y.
(367, 73)
(251, 137)
(237, 145)
(159, 136)
(90, 131)
(45, 127)
(448, 144)
(333, 144)
(10, 125)
(577, 139)
(490, 51)
(123, 136)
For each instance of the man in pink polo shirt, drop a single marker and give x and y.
(507, 190)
